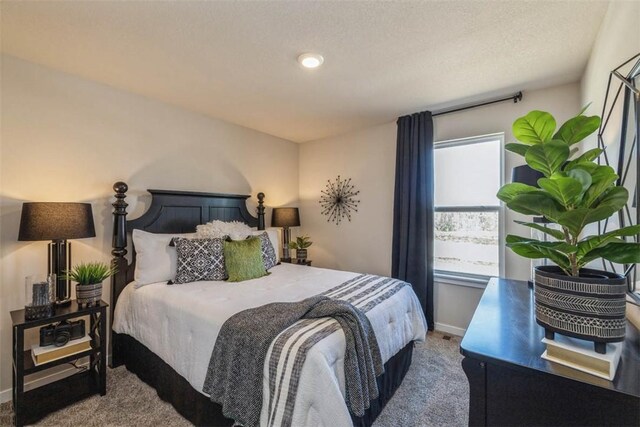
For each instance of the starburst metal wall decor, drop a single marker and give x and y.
(338, 200)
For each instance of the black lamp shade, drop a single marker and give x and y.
(56, 221)
(285, 217)
(525, 175)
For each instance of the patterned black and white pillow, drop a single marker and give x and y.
(269, 257)
(199, 259)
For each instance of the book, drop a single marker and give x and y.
(50, 353)
(579, 354)
(633, 311)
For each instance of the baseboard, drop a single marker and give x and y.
(6, 395)
(454, 330)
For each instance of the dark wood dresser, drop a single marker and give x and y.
(510, 384)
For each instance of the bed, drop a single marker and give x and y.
(165, 334)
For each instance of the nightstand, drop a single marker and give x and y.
(306, 262)
(30, 406)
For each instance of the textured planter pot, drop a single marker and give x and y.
(301, 254)
(590, 307)
(89, 294)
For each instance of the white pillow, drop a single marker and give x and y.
(236, 230)
(156, 261)
(274, 237)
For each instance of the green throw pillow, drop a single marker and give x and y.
(243, 259)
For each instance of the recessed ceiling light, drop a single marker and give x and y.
(310, 60)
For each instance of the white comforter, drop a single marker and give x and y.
(180, 323)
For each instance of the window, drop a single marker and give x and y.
(467, 221)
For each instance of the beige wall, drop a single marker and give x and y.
(368, 157)
(618, 40)
(68, 139)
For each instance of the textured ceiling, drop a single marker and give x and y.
(237, 60)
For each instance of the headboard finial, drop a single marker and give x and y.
(120, 187)
(119, 241)
(261, 222)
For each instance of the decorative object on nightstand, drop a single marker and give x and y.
(39, 296)
(29, 406)
(89, 277)
(285, 218)
(57, 222)
(338, 200)
(300, 245)
(579, 354)
(570, 299)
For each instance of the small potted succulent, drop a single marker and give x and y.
(575, 191)
(89, 277)
(300, 245)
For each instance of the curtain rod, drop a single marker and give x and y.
(515, 98)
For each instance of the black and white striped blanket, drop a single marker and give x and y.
(279, 335)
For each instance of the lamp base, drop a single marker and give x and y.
(59, 261)
(285, 244)
(63, 302)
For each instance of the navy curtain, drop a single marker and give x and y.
(412, 251)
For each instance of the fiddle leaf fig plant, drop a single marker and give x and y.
(573, 193)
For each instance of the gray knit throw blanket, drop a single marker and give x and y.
(235, 374)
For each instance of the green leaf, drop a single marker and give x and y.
(582, 176)
(531, 248)
(588, 167)
(536, 203)
(622, 253)
(521, 246)
(614, 198)
(517, 148)
(550, 231)
(584, 109)
(512, 238)
(565, 190)
(548, 157)
(578, 128)
(508, 191)
(562, 247)
(603, 178)
(534, 128)
(575, 220)
(590, 243)
(586, 157)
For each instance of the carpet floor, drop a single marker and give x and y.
(434, 393)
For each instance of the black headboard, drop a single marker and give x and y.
(172, 212)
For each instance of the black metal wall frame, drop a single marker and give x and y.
(627, 92)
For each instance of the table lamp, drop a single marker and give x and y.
(526, 175)
(285, 218)
(57, 222)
